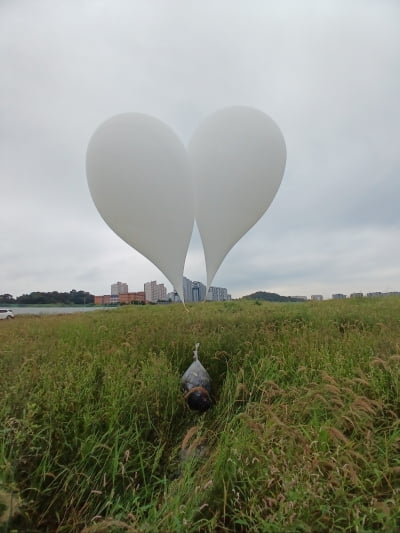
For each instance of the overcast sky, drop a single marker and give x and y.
(327, 72)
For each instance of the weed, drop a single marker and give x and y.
(304, 434)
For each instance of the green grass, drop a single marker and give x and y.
(304, 435)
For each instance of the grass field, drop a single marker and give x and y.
(304, 435)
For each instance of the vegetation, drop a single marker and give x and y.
(304, 435)
(271, 297)
(53, 298)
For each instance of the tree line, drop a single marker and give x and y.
(73, 297)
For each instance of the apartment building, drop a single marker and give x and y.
(195, 291)
(155, 292)
(119, 288)
(218, 294)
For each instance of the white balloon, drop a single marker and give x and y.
(139, 178)
(238, 158)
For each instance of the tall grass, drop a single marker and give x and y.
(304, 435)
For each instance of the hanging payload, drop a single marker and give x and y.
(196, 384)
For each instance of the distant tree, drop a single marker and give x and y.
(56, 298)
(81, 297)
(32, 298)
(6, 299)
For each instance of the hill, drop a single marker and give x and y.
(271, 297)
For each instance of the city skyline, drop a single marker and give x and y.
(139, 296)
(194, 291)
(200, 289)
(306, 294)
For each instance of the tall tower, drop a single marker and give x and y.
(119, 288)
(155, 291)
(187, 289)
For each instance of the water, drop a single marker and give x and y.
(54, 310)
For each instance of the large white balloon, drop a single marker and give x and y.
(238, 158)
(139, 178)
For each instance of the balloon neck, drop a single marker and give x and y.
(195, 351)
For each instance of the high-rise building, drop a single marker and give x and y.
(173, 297)
(187, 289)
(119, 288)
(195, 291)
(218, 294)
(155, 291)
(198, 291)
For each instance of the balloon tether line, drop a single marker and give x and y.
(195, 351)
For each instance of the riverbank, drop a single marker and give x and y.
(44, 309)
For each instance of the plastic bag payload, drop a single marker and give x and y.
(196, 384)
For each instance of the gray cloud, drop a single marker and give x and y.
(328, 73)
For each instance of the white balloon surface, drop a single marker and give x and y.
(149, 189)
(140, 181)
(238, 158)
